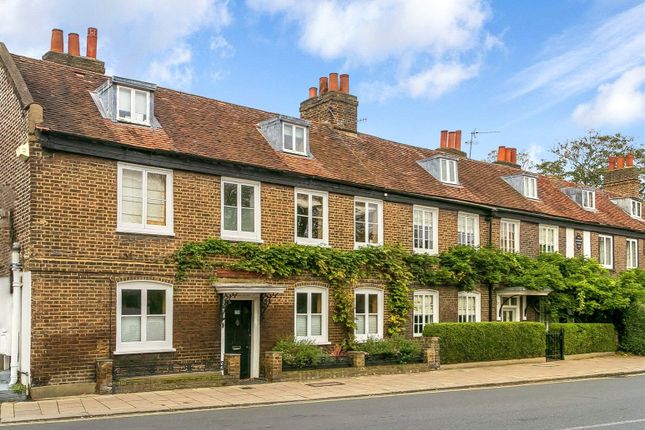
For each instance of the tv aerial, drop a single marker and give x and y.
(472, 141)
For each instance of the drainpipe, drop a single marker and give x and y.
(489, 219)
(15, 312)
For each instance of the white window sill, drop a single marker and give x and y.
(314, 341)
(305, 242)
(425, 251)
(144, 351)
(130, 121)
(168, 233)
(228, 236)
(360, 245)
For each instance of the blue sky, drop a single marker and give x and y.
(537, 72)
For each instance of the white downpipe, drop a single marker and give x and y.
(15, 312)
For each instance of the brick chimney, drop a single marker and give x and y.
(507, 156)
(332, 103)
(450, 141)
(73, 57)
(622, 177)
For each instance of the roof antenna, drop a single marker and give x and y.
(472, 141)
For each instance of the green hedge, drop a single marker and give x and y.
(581, 338)
(487, 341)
(633, 339)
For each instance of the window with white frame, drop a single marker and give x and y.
(448, 170)
(636, 209)
(311, 314)
(294, 138)
(133, 105)
(468, 307)
(240, 210)
(588, 199)
(632, 253)
(426, 305)
(311, 217)
(425, 231)
(509, 235)
(548, 238)
(368, 222)
(368, 313)
(468, 229)
(606, 251)
(510, 308)
(530, 187)
(144, 317)
(144, 200)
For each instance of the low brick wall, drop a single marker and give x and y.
(273, 372)
(172, 382)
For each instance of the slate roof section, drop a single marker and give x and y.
(213, 129)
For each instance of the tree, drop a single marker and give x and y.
(523, 159)
(585, 159)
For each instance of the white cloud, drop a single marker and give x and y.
(582, 59)
(221, 46)
(136, 38)
(431, 46)
(618, 103)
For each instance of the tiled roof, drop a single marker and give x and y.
(214, 129)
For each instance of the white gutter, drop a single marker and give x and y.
(15, 312)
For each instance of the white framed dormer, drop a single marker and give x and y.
(425, 310)
(311, 314)
(585, 197)
(443, 167)
(524, 183)
(633, 207)
(589, 199)
(530, 188)
(144, 200)
(144, 317)
(448, 171)
(132, 105)
(368, 313)
(425, 230)
(311, 209)
(295, 139)
(240, 210)
(368, 222)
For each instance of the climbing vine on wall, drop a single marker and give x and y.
(461, 266)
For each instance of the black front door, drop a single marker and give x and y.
(237, 328)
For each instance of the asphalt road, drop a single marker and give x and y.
(611, 403)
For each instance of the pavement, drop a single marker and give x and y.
(6, 394)
(446, 378)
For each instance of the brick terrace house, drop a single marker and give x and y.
(103, 178)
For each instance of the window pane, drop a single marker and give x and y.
(248, 220)
(248, 191)
(301, 325)
(360, 324)
(230, 218)
(317, 206)
(373, 305)
(360, 232)
(131, 329)
(156, 302)
(372, 324)
(360, 303)
(300, 139)
(303, 204)
(316, 303)
(418, 304)
(288, 137)
(303, 226)
(156, 199)
(124, 103)
(132, 196)
(301, 303)
(316, 325)
(316, 228)
(230, 194)
(372, 233)
(156, 328)
(359, 212)
(372, 213)
(140, 106)
(130, 302)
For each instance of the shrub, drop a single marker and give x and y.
(633, 339)
(581, 338)
(299, 353)
(487, 341)
(405, 350)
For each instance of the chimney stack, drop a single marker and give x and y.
(450, 141)
(72, 57)
(507, 156)
(333, 104)
(57, 41)
(92, 40)
(622, 177)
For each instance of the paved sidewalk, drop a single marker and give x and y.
(282, 392)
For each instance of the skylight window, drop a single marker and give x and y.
(294, 139)
(448, 171)
(530, 187)
(588, 199)
(133, 105)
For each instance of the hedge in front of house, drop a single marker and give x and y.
(488, 341)
(633, 339)
(582, 338)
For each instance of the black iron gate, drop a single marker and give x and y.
(555, 345)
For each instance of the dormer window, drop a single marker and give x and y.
(294, 138)
(588, 199)
(633, 207)
(448, 171)
(127, 100)
(133, 105)
(636, 209)
(530, 187)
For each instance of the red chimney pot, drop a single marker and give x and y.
(458, 140)
(451, 139)
(92, 38)
(344, 83)
(514, 155)
(323, 85)
(620, 162)
(313, 92)
(629, 160)
(501, 154)
(333, 82)
(57, 40)
(73, 45)
(612, 162)
(444, 139)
